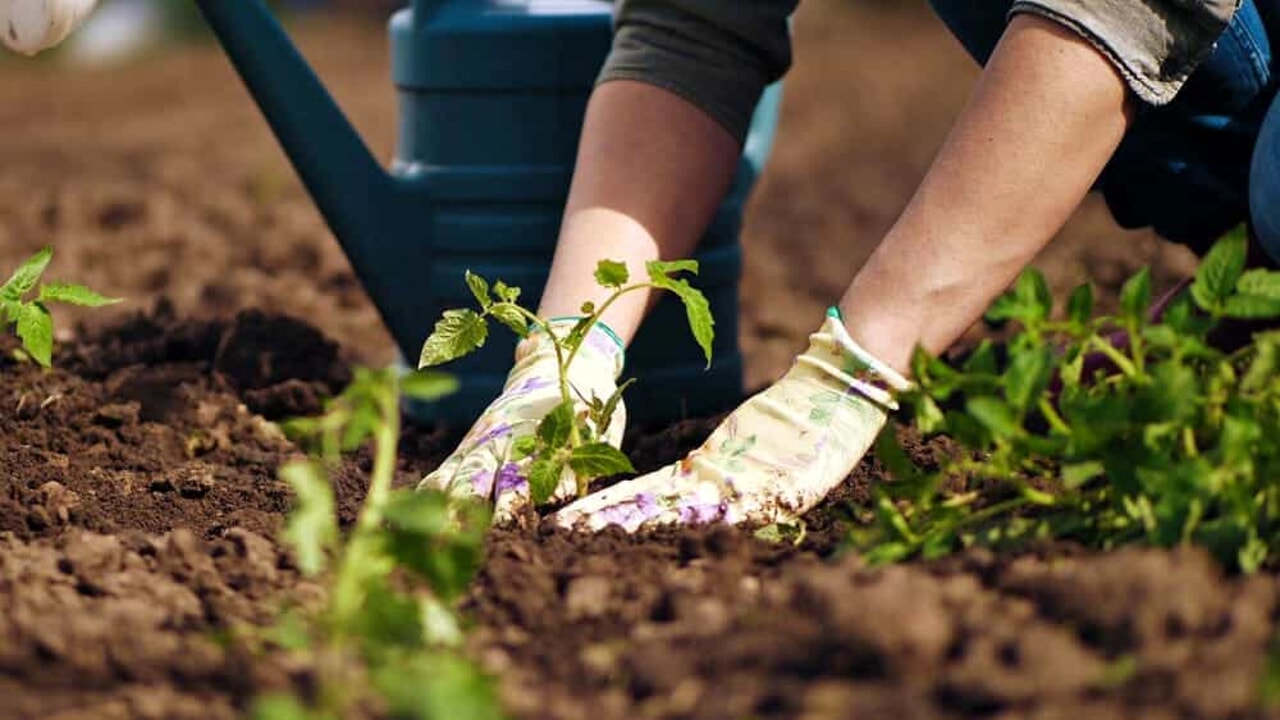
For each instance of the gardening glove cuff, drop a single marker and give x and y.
(30, 26)
(481, 465)
(772, 459)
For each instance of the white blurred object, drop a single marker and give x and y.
(121, 29)
(30, 26)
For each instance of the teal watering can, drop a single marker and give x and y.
(492, 95)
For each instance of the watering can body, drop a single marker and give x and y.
(492, 95)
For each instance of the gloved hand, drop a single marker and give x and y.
(772, 459)
(29, 26)
(481, 464)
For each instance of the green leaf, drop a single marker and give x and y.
(35, 328)
(439, 537)
(428, 386)
(479, 288)
(1080, 304)
(1135, 295)
(1034, 290)
(1266, 359)
(671, 267)
(1076, 474)
(599, 459)
(555, 428)
(387, 619)
(544, 476)
(994, 415)
(506, 293)
(457, 333)
(1027, 376)
(604, 416)
(1219, 271)
(24, 279)
(511, 316)
(312, 527)
(612, 274)
(1251, 307)
(696, 307)
(1262, 282)
(73, 295)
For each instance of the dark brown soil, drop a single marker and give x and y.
(139, 505)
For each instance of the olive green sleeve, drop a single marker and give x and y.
(1155, 44)
(717, 54)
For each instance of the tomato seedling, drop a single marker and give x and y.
(565, 438)
(25, 301)
(1160, 438)
(393, 579)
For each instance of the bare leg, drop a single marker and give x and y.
(1046, 116)
(651, 170)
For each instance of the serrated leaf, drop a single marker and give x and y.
(457, 333)
(510, 316)
(1028, 374)
(24, 279)
(1261, 282)
(73, 295)
(994, 415)
(1135, 295)
(555, 428)
(506, 293)
(312, 527)
(1251, 307)
(35, 328)
(1080, 304)
(599, 460)
(697, 309)
(670, 267)
(428, 386)
(1219, 271)
(479, 288)
(612, 274)
(544, 476)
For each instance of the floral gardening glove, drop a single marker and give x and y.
(481, 466)
(772, 459)
(29, 26)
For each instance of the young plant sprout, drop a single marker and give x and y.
(565, 438)
(387, 629)
(1174, 445)
(24, 302)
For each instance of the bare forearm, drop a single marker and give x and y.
(651, 170)
(1046, 116)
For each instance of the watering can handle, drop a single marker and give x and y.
(327, 152)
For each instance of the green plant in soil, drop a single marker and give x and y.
(24, 302)
(386, 639)
(1175, 444)
(564, 437)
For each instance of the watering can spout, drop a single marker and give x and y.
(357, 197)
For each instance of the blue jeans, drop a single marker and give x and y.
(1202, 164)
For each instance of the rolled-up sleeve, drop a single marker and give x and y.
(717, 54)
(1155, 44)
